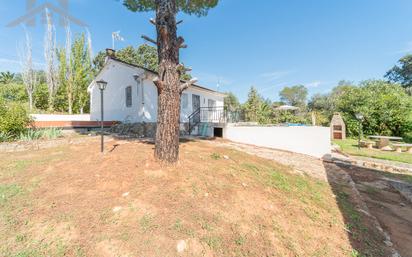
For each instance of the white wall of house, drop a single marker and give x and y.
(119, 76)
(187, 108)
(313, 141)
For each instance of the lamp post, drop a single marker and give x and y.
(359, 116)
(102, 86)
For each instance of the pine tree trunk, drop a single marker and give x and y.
(167, 134)
(30, 101)
(51, 101)
(70, 102)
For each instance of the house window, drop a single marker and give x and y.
(128, 96)
(184, 101)
(211, 103)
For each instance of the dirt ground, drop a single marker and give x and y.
(218, 201)
(393, 211)
(377, 197)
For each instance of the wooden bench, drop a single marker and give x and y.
(398, 147)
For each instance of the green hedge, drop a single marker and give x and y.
(14, 119)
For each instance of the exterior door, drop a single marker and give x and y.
(195, 106)
(212, 115)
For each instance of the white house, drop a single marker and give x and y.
(131, 100)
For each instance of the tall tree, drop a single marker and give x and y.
(253, 105)
(168, 83)
(80, 67)
(295, 96)
(65, 72)
(75, 73)
(231, 103)
(50, 56)
(402, 73)
(28, 74)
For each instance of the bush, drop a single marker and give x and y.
(14, 119)
(13, 93)
(51, 133)
(41, 97)
(4, 137)
(36, 134)
(30, 135)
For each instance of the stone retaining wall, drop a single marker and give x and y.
(141, 129)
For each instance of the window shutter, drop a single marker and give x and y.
(128, 96)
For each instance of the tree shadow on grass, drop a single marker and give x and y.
(365, 238)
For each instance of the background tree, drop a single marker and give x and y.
(28, 74)
(231, 103)
(6, 77)
(144, 56)
(321, 106)
(295, 96)
(252, 105)
(402, 73)
(386, 107)
(168, 83)
(13, 93)
(80, 68)
(50, 52)
(265, 112)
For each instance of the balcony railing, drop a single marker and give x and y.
(212, 115)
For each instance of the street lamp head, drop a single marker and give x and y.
(102, 84)
(359, 116)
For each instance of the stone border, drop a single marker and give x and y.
(365, 210)
(372, 165)
(40, 144)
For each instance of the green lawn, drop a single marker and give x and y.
(350, 146)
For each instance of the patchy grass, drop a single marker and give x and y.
(350, 146)
(60, 202)
(365, 242)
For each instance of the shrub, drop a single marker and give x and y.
(14, 119)
(4, 137)
(215, 156)
(13, 92)
(51, 133)
(34, 134)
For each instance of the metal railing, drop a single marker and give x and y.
(207, 114)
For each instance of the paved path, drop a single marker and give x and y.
(299, 162)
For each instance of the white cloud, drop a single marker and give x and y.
(313, 84)
(278, 85)
(13, 63)
(211, 80)
(406, 49)
(275, 75)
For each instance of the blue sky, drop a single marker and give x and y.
(268, 43)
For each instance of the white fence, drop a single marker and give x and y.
(313, 141)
